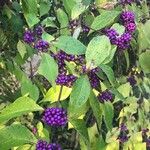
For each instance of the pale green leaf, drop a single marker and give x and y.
(19, 107)
(21, 48)
(98, 50)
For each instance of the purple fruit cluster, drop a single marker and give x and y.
(105, 96)
(123, 136)
(64, 78)
(55, 116)
(33, 38)
(85, 29)
(73, 24)
(43, 145)
(128, 20)
(131, 79)
(123, 41)
(126, 2)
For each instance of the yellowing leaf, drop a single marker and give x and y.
(53, 93)
(113, 146)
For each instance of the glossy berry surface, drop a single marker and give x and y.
(55, 116)
(28, 36)
(54, 146)
(41, 145)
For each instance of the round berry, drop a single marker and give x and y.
(55, 116)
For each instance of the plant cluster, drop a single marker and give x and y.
(75, 75)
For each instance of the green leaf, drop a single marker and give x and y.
(119, 28)
(44, 8)
(47, 37)
(108, 112)
(94, 103)
(109, 73)
(70, 45)
(49, 63)
(80, 126)
(21, 106)
(30, 11)
(28, 87)
(63, 20)
(31, 19)
(15, 135)
(104, 20)
(21, 48)
(125, 89)
(98, 50)
(112, 53)
(48, 22)
(144, 61)
(80, 92)
(53, 93)
(69, 5)
(78, 9)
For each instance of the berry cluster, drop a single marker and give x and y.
(43, 145)
(33, 37)
(123, 137)
(145, 137)
(105, 96)
(131, 79)
(123, 41)
(128, 20)
(126, 2)
(73, 24)
(55, 117)
(63, 77)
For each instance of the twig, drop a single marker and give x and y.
(59, 96)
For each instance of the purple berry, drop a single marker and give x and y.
(130, 27)
(42, 45)
(85, 29)
(123, 138)
(41, 145)
(132, 80)
(66, 80)
(55, 116)
(127, 17)
(28, 36)
(125, 2)
(39, 30)
(123, 127)
(105, 96)
(73, 24)
(94, 80)
(123, 42)
(54, 146)
(112, 34)
(148, 143)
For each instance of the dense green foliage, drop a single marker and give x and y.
(29, 75)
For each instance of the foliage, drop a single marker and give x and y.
(74, 74)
